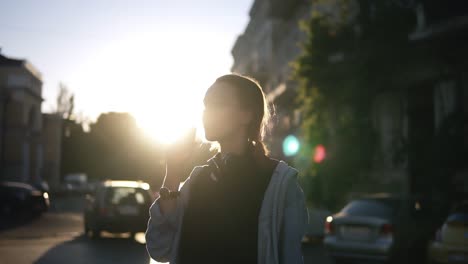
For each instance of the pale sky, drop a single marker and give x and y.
(154, 59)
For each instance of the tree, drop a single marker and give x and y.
(65, 102)
(350, 54)
(115, 148)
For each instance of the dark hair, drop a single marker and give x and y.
(251, 96)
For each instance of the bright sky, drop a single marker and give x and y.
(152, 58)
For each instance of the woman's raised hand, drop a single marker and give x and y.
(178, 156)
(180, 152)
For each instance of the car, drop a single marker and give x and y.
(450, 244)
(314, 232)
(118, 207)
(378, 228)
(75, 183)
(20, 201)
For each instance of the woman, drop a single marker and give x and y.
(242, 207)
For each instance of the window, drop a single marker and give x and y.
(126, 195)
(385, 209)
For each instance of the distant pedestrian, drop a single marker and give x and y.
(242, 207)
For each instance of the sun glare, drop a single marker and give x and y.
(168, 120)
(161, 83)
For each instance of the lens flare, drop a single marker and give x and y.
(320, 153)
(291, 146)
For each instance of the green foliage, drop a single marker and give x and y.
(112, 149)
(349, 56)
(65, 102)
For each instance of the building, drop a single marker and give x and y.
(264, 51)
(21, 152)
(422, 121)
(421, 117)
(437, 101)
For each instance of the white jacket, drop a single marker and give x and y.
(282, 221)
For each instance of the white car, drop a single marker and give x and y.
(379, 229)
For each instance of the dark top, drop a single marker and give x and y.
(220, 223)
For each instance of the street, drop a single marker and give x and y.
(57, 237)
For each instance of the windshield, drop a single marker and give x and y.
(126, 195)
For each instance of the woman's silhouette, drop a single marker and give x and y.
(242, 207)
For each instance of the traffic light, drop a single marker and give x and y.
(291, 146)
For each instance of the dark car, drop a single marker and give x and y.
(379, 229)
(19, 201)
(117, 207)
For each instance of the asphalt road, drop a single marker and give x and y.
(57, 237)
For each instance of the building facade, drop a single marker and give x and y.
(264, 51)
(21, 153)
(437, 101)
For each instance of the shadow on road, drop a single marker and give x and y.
(11, 222)
(105, 250)
(315, 253)
(64, 203)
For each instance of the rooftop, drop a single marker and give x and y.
(11, 62)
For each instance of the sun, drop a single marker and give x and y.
(168, 119)
(160, 80)
(166, 111)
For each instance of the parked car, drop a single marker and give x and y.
(42, 186)
(117, 207)
(380, 228)
(19, 200)
(451, 240)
